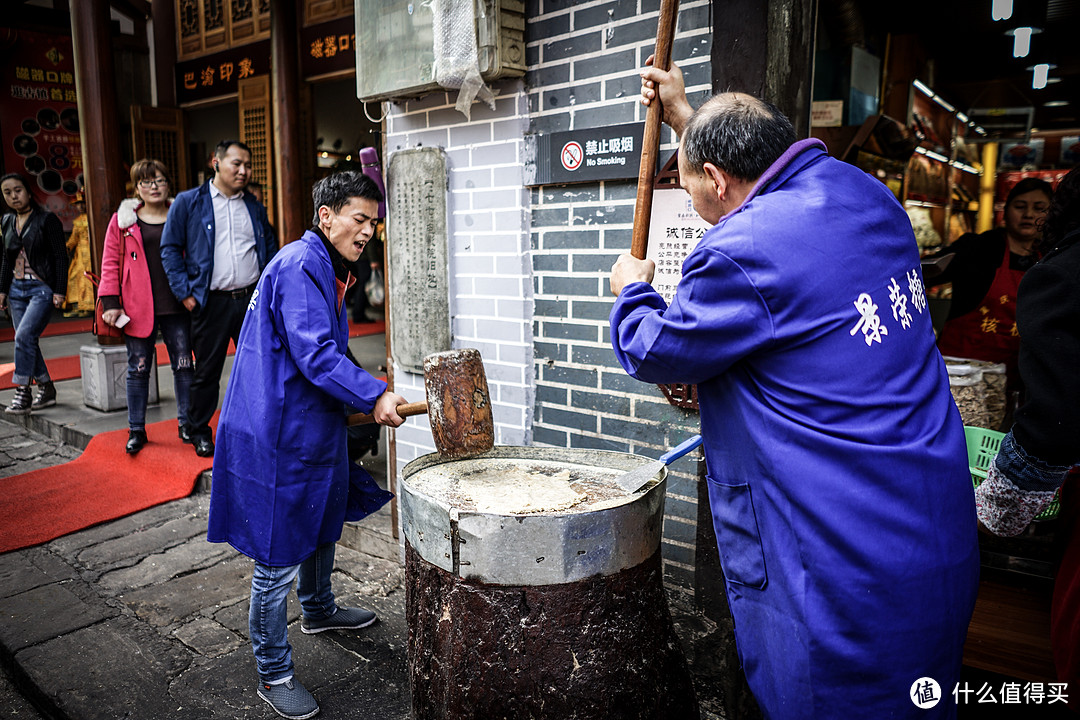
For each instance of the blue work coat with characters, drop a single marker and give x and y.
(837, 470)
(283, 484)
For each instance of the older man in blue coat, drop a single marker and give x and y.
(283, 484)
(837, 470)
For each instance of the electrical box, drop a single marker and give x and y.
(395, 45)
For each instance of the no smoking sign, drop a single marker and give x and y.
(572, 155)
(611, 152)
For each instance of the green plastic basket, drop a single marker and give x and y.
(982, 447)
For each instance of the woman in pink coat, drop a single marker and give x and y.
(141, 302)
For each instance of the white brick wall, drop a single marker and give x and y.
(490, 268)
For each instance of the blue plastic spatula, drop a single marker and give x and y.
(637, 478)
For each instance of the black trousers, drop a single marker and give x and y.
(212, 326)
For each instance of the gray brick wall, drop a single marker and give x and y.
(529, 266)
(583, 59)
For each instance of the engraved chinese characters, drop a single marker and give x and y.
(417, 252)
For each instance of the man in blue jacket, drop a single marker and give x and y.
(216, 241)
(283, 484)
(837, 469)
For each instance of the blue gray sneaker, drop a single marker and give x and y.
(344, 618)
(289, 699)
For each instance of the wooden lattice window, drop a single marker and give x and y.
(158, 132)
(255, 132)
(207, 26)
(317, 11)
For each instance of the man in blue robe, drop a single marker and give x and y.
(837, 469)
(283, 484)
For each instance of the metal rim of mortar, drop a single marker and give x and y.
(535, 549)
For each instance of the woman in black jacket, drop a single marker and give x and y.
(1042, 451)
(33, 280)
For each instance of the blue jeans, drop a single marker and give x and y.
(176, 332)
(268, 619)
(31, 309)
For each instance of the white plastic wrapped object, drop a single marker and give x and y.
(456, 64)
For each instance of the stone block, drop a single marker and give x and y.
(115, 669)
(24, 570)
(22, 614)
(104, 377)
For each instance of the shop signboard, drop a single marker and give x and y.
(1018, 155)
(218, 75)
(328, 48)
(39, 118)
(612, 152)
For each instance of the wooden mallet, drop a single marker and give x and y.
(458, 404)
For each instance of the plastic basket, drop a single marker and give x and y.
(982, 447)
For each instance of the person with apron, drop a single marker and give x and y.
(985, 273)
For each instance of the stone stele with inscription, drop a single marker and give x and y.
(417, 252)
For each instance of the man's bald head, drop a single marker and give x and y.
(737, 133)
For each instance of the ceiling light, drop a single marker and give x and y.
(941, 101)
(1001, 9)
(931, 154)
(1039, 75)
(1022, 40)
(1056, 103)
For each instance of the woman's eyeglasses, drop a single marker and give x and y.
(147, 184)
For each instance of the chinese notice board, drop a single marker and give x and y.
(674, 231)
(39, 118)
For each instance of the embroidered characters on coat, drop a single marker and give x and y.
(870, 323)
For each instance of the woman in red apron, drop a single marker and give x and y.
(989, 332)
(1041, 452)
(985, 272)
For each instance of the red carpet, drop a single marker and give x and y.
(68, 367)
(102, 484)
(59, 327)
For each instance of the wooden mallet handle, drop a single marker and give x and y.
(665, 36)
(406, 410)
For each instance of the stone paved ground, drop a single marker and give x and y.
(141, 618)
(22, 450)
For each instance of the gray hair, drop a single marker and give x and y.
(737, 133)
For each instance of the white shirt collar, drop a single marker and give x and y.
(216, 192)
